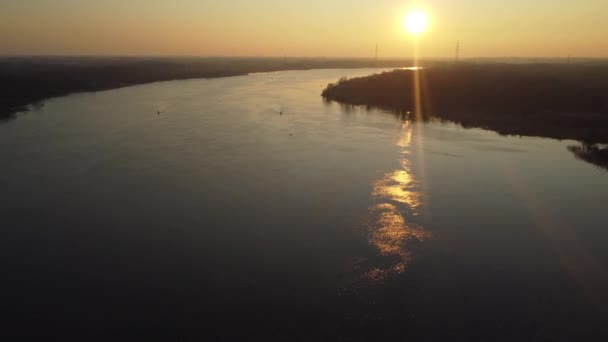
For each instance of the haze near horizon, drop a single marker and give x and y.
(338, 28)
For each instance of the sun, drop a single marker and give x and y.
(416, 22)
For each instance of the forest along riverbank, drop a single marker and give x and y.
(562, 101)
(28, 80)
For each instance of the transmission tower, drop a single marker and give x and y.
(457, 50)
(376, 52)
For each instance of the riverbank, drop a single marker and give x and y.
(562, 101)
(29, 80)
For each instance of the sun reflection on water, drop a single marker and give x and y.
(391, 229)
(400, 187)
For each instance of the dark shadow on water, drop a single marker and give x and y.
(595, 154)
(591, 151)
(537, 100)
(7, 117)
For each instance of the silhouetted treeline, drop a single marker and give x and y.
(26, 80)
(564, 101)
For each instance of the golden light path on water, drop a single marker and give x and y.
(398, 195)
(397, 199)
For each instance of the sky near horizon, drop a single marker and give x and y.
(330, 28)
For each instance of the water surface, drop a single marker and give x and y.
(250, 207)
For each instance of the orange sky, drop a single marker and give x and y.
(489, 28)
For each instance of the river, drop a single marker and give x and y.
(248, 206)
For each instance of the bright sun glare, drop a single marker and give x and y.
(415, 22)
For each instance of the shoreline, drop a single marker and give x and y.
(527, 100)
(27, 81)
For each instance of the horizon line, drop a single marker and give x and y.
(392, 58)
